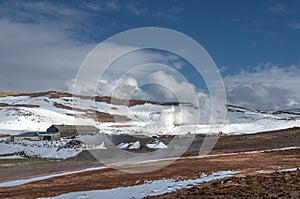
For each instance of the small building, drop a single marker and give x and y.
(36, 136)
(72, 130)
(49, 135)
(26, 136)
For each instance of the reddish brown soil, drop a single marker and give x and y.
(96, 115)
(19, 105)
(39, 169)
(271, 185)
(4, 135)
(181, 169)
(4, 93)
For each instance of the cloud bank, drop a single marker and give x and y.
(34, 58)
(267, 87)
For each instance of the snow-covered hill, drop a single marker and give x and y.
(21, 112)
(37, 111)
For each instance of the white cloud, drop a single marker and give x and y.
(280, 8)
(49, 14)
(43, 42)
(174, 88)
(169, 89)
(35, 57)
(123, 89)
(40, 46)
(106, 6)
(295, 25)
(110, 64)
(268, 87)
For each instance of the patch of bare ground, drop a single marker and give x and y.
(96, 115)
(132, 102)
(50, 94)
(270, 185)
(19, 105)
(6, 93)
(186, 168)
(4, 135)
(251, 142)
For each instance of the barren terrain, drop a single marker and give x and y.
(248, 164)
(256, 185)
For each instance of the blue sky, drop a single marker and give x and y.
(252, 42)
(237, 34)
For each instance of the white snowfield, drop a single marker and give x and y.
(146, 118)
(58, 149)
(44, 149)
(15, 119)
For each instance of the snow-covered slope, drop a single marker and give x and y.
(39, 110)
(21, 112)
(32, 113)
(243, 120)
(238, 114)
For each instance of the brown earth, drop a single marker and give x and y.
(96, 115)
(19, 105)
(270, 185)
(250, 142)
(185, 168)
(6, 93)
(4, 135)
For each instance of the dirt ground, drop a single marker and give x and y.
(248, 142)
(186, 168)
(250, 165)
(270, 185)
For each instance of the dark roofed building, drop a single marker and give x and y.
(72, 130)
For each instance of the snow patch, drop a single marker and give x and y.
(44, 149)
(131, 145)
(288, 170)
(157, 145)
(21, 182)
(151, 188)
(11, 157)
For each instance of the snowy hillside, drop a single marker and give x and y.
(39, 110)
(20, 112)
